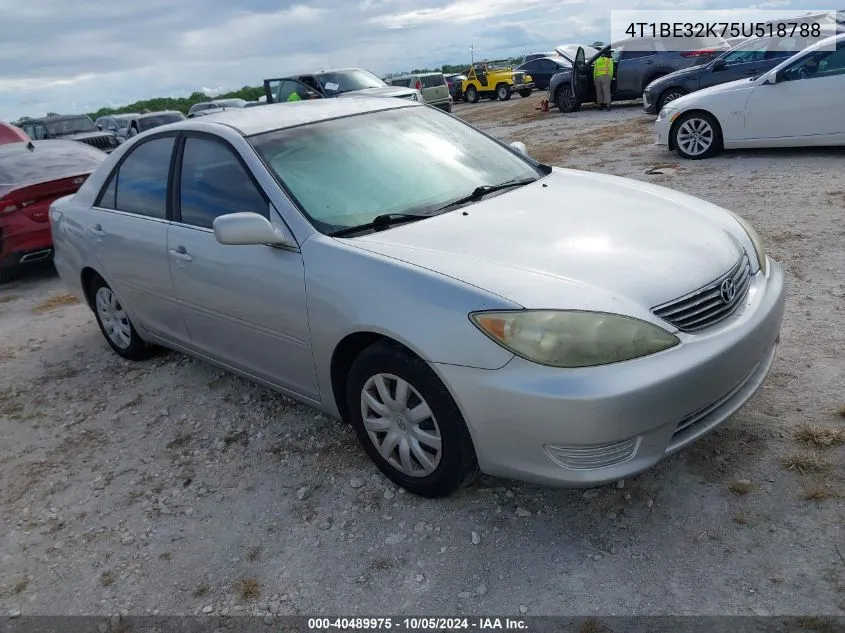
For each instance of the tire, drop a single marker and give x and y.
(8, 274)
(668, 95)
(525, 93)
(114, 323)
(692, 131)
(565, 101)
(471, 94)
(383, 368)
(503, 92)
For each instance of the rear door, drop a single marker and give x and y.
(128, 228)
(632, 68)
(243, 305)
(434, 88)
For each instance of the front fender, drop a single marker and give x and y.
(564, 77)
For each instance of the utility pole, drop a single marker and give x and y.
(472, 54)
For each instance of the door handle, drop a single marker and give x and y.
(97, 230)
(181, 253)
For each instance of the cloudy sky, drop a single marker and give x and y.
(77, 56)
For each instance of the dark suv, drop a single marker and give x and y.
(637, 63)
(70, 127)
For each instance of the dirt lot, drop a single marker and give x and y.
(172, 487)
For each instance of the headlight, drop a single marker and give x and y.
(664, 113)
(570, 338)
(756, 241)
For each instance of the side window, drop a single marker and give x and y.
(744, 56)
(215, 183)
(547, 66)
(289, 90)
(140, 183)
(818, 64)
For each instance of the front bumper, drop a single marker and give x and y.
(649, 103)
(525, 86)
(661, 131)
(582, 427)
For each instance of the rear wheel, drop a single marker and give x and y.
(566, 101)
(503, 92)
(115, 324)
(471, 94)
(525, 93)
(407, 421)
(670, 95)
(696, 135)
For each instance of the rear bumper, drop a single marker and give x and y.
(24, 241)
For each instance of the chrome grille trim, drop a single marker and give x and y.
(596, 456)
(705, 307)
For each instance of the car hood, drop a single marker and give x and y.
(387, 91)
(81, 136)
(684, 73)
(574, 239)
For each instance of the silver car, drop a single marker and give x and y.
(463, 306)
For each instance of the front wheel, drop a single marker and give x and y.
(525, 93)
(471, 94)
(696, 135)
(115, 324)
(408, 422)
(670, 95)
(503, 92)
(566, 101)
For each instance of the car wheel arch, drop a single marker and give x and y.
(674, 125)
(87, 277)
(345, 353)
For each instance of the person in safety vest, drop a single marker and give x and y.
(602, 76)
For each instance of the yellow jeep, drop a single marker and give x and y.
(495, 80)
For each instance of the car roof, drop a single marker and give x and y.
(277, 116)
(60, 117)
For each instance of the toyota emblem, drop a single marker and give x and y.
(727, 290)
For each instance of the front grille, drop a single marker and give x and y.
(100, 142)
(518, 78)
(710, 304)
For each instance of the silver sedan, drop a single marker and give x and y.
(464, 307)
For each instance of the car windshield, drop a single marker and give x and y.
(348, 81)
(149, 122)
(75, 125)
(345, 172)
(122, 124)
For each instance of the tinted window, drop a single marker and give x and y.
(404, 83)
(547, 65)
(149, 122)
(215, 183)
(141, 185)
(634, 54)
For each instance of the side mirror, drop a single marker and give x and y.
(247, 228)
(719, 64)
(100, 127)
(770, 79)
(519, 146)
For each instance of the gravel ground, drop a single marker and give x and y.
(171, 487)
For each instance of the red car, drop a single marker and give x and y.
(32, 175)
(11, 134)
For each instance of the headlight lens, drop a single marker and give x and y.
(663, 113)
(756, 241)
(570, 338)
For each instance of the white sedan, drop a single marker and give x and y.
(798, 103)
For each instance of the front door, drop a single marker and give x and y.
(581, 81)
(243, 305)
(128, 224)
(806, 100)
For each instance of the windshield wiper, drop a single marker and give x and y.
(380, 222)
(482, 190)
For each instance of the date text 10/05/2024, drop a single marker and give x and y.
(403, 624)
